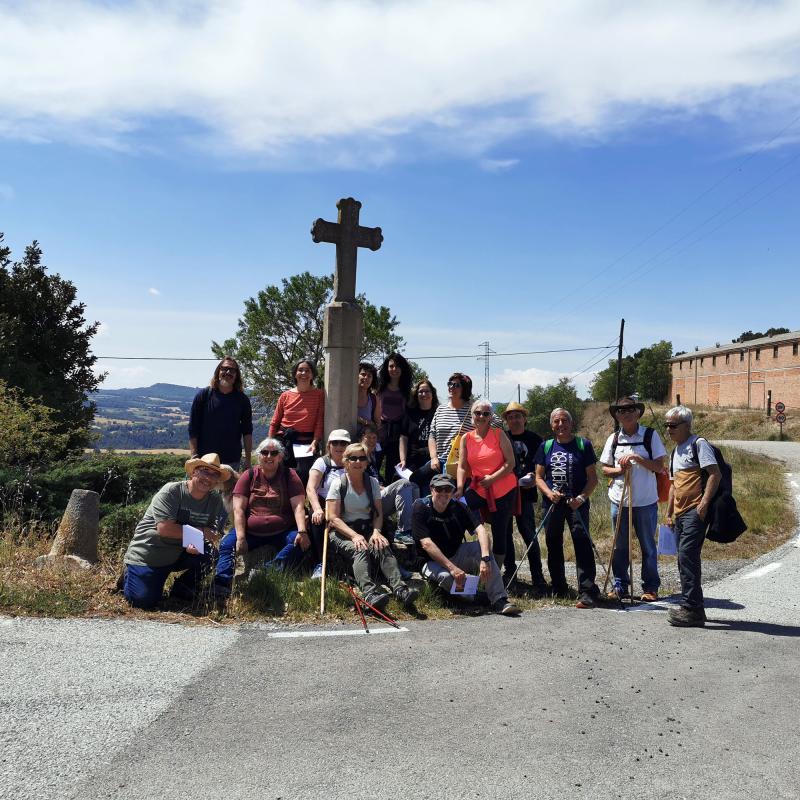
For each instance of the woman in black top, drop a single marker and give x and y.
(415, 429)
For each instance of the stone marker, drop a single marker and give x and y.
(75, 544)
(343, 329)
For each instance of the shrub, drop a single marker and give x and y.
(116, 528)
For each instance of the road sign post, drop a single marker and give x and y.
(780, 417)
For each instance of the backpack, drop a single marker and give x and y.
(370, 496)
(724, 523)
(648, 443)
(548, 445)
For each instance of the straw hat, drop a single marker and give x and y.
(515, 406)
(209, 461)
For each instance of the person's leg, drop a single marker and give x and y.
(289, 553)
(193, 571)
(510, 560)
(645, 519)
(387, 562)
(422, 478)
(359, 562)
(619, 564)
(691, 533)
(304, 467)
(526, 525)
(500, 520)
(468, 558)
(391, 458)
(554, 539)
(585, 566)
(144, 586)
(436, 573)
(226, 563)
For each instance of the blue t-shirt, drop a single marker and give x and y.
(565, 466)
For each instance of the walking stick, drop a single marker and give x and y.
(630, 536)
(324, 571)
(591, 541)
(625, 486)
(530, 544)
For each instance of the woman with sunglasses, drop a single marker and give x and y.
(299, 418)
(394, 389)
(268, 511)
(415, 429)
(221, 417)
(486, 477)
(324, 471)
(354, 514)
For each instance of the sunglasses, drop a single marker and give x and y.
(443, 489)
(228, 370)
(207, 473)
(481, 413)
(423, 391)
(357, 458)
(673, 425)
(454, 385)
(270, 453)
(339, 444)
(625, 409)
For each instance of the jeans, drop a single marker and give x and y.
(422, 477)
(368, 565)
(526, 525)
(468, 558)
(289, 554)
(585, 566)
(690, 531)
(645, 519)
(399, 496)
(144, 586)
(498, 519)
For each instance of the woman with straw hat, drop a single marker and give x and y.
(157, 549)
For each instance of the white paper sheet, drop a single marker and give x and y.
(470, 586)
(193, 536)
(302, 450)
(403, 473)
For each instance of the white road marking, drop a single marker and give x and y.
(761, 571)
(317, 634)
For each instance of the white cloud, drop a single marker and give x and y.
(153, 291)
(6, 192)
(273, 80)
(498, 164)
(503, 386)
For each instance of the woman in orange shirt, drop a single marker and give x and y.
(486, 460)
(299, 418)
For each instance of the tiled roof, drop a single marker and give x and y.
(735, 347)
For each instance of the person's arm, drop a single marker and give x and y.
(653, 464)
(319, 423)
(277, 417)
(378, 412)
(193, 447)
(463, 471)
(195, 422)
(486, 550)
(433, 553)
(403, 448)
(248, 450)
(299, 510)
(508, 464)
(240, 502)
(712, 484)
(246, 426)
(333, 513)
(671, 503)
(314, 482)
(541, 484)
(436, 465)
(377, 541)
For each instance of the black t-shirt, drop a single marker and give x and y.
(445, 529)
(219, 421)
(525, 446)
(416, 424)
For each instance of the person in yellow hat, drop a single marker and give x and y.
(525, 444)
(157, 548)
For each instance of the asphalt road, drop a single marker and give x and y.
(600, 704)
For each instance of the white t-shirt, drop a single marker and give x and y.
(643, 481)
(325, 486)
(355, 506)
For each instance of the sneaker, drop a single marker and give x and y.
(378, 599)
(505, 607)
(649, 597)
(616, 594)
(585, 601)
(316, 574)
(406, 595)
(404, 538)
(685, 617)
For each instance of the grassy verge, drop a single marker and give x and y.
(759, 485)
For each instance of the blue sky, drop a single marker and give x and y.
(538, 171)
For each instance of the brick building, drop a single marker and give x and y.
(740, 374)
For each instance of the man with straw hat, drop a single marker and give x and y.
(637, 453)
(157, 549)
(525, 444)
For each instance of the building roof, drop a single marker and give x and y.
(735, 347)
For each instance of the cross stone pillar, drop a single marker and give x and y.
(344, 325)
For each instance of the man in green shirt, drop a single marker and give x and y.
(157, 547)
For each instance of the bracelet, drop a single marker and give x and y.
(582, 498)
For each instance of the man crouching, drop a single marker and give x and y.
(438, 525)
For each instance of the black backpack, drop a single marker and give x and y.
(370, 496)
(647, 442)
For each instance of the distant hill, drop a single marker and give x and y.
(150, 417)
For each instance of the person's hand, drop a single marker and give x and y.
(302, 540)
(359, 542)
(378, 541)
(192, 550)
(402, 464)
(314, 446)
(669, 520)
(575, 503)
(484, 572)
(460, 577)
(486, 481)
(436, 465)
(556, 497)
(702, 510)
(458, 493)
(317, 516)
(241, 546)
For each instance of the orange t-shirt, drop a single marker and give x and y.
(485, 457)
(303, 411)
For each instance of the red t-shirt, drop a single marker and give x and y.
(303, 411)
(268, 511)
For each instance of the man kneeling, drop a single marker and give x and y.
(438, 525)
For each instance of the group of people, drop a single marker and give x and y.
(442, 468)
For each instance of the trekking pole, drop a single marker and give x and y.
(324, 571)
(630, 535)
(591, 541)
(616, 532)
(358, 606)
(530, 544)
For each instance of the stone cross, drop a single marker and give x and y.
(344, 324)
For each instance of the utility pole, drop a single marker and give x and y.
(619, 360)
(487, 351)
(519, 394)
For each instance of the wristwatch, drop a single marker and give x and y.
(486, 559)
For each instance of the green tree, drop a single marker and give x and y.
(541, 400)
(45, 342)
(284, 323)
(653, 372)
(748, 336)
(604, 385)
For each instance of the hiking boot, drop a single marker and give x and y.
(404, 537)
(562, 590)
(406, 595)
(378, 599)
(616, 594)
(316, 574)
(505, 607)
(685, 617)
(585, 601)
(649, 597)
(540, 589)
